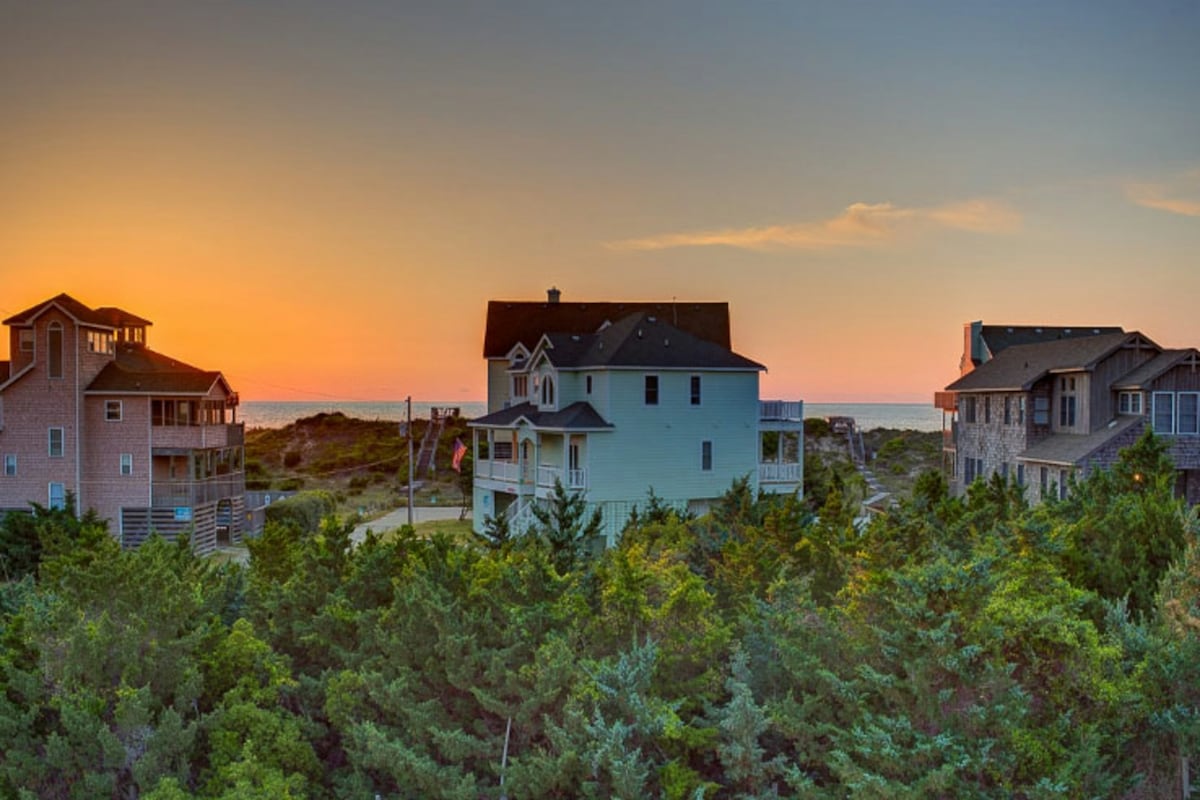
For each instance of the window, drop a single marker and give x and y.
(1045, 480)
(968, 409)
(99, 342)
(112, 410)
(695, 390)
(1062, 484)
(57, 497)
(651, 390)
(1129, 403)
(10, 463)
(1041, 411)
(1004, 470)
(126, 463)
(1020, 474)
(26, 341)
(972, 469)
(1164, 412)
(547, 391)
(1189, 420)
(56, 350)
(520, 386)
(706, 456)
(1066, 411)
(1021, 410)
(503, 451)
(1007, 410)
(56, 442)
(987, 410)
(588, 383)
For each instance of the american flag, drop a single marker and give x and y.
(460, 450)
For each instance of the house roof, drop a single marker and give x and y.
(72, 307)
(140, 370)
(1018, 367)
(1001, 337)
(509, 322)
(119, 318)
(1070, 449)
(642, 340)
(577, 416)
(1141, 377)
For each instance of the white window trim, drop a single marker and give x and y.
(126, 464)
(1154, 412)
(696, 398)
(120, 406)
(62, 442)
(1179, 422)
(50, 495)
(657, 389)
(10, 458)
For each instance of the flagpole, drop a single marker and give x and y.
(408, 400)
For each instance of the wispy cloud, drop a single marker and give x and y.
(860, 225)
(1178, 195)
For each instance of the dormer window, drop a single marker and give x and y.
(547, 391)
(1129, 403)
(520, 387)
(100, 342)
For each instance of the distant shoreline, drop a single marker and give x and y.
(280, 413)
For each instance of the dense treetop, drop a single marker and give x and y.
(955, 648)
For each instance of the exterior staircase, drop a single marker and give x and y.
(429, 444)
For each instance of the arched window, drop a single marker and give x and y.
(55, 346)
(547, 391)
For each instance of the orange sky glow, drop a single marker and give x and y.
(320, 205)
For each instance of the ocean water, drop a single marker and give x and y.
(277, 414)
(272, 414)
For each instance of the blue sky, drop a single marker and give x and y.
(856, 179)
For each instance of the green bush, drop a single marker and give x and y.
(305, 510)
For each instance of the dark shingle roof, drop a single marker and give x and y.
(119, 318)
(69, 304)
(1018, 367)
(646, 341)
(1141, 377)
(138, 369)
(1001, 337)
(577, 416)
(1071, 449)
(510, 322)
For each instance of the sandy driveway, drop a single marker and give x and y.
(399, 518)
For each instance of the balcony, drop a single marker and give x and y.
(169, 494)
(573, 479)
(792, 410)
(772, 472)
(507, 471)
(187, 437)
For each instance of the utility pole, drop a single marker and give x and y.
(408, 400)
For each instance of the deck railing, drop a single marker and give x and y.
(781, 409)
(167, 494)
(571, 478)
(779, 473)
(508, 471)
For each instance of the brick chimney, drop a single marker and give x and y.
(552, 295)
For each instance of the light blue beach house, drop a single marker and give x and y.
(613, 400)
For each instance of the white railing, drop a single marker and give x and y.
(497, 470)
(547, 475)
(781, 409)
(520, 516)
(779, 473)
(574, 478)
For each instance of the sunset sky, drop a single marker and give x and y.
(319, 198)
